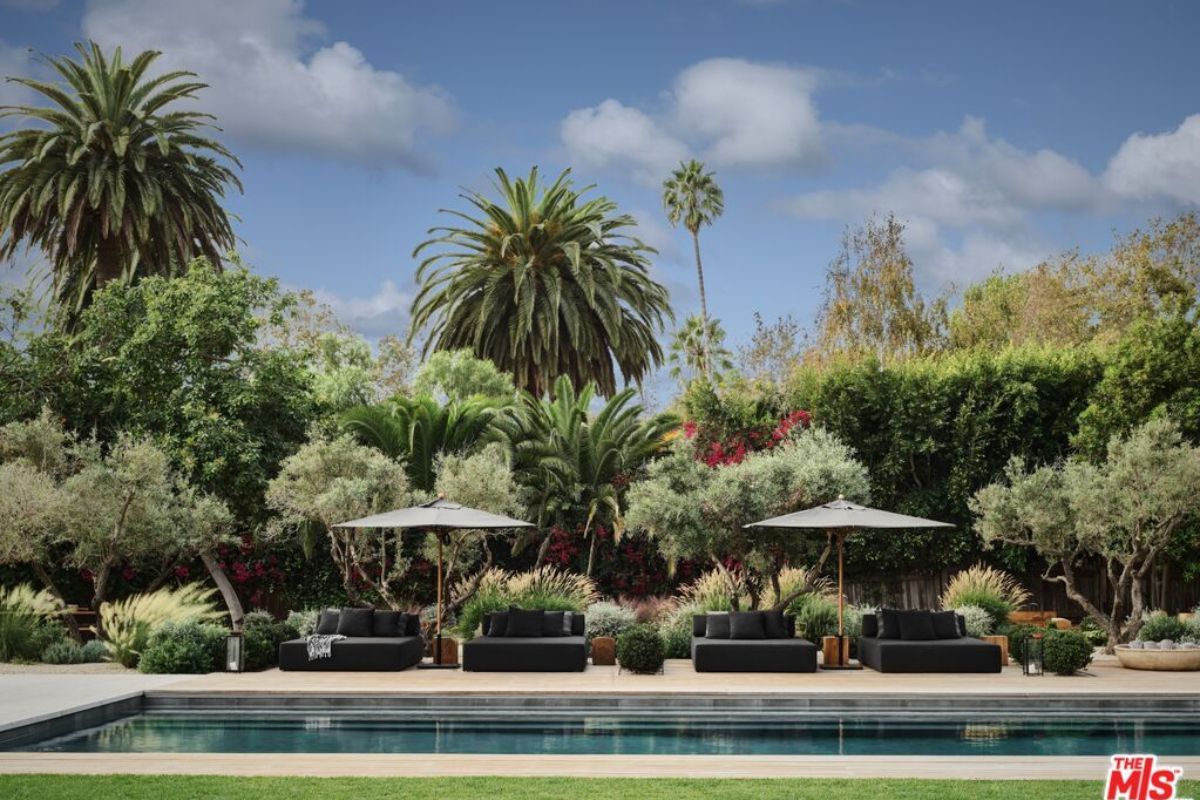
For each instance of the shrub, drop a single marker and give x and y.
(1017, 633)
(28, 622)
(1095, 634)
(262, 636)
(1066, 652)
(127, 624)
(640, 650)
(711, 592)
(305, 622)
(184, 648)
(93, 652)
(677, 642)
(68, 652)
(993, 590)
(1158, 626)
(977, 621)
(546, 588)
(608, 619)
(654, 610)
(792, 580)
(817, 617)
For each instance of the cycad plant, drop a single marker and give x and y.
(573, 460)
(110, 182)
(544, 283)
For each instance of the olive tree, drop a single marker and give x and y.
(1125, 510)
(697, 512)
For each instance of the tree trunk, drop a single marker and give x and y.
(591, 555)
(52, 587)
(813, 573)
(703, 307)
(225, 586)
(109, 266)
(542, 550)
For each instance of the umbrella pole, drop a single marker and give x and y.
(841, 537)
(437, 639)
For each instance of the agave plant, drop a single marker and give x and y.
(544, 283)
(109, 183)
(126, 625)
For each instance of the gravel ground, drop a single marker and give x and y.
(103, 668)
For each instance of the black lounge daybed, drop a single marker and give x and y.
(750, 641)
(923, 641)
(528, 641)
(375, 641)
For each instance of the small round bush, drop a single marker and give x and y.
(1065, 652)
(677, 642)
(1017, 634)
(978, 621)
(608, 619)
(1159, 626)
(62, 653)
(305, 622)
(262, 640)
(1095, 633)
(640, 650)
(184, 648)
(93, 652)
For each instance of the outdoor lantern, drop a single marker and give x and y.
(235, 652)
(1032, 663)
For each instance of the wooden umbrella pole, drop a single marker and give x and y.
(439, 598)
(841, 594)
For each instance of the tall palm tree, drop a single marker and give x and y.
(420, 429)
(110, 184)
(688, 355)
(692, 196)
(572, 459)
(544, 283)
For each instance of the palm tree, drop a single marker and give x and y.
(543, 283)
(571, 459)
(692, 196)
(418, 430)
(110, 185)
(688, 355)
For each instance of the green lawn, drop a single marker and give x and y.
(130, 787)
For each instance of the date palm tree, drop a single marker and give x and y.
(691, 196)
(544, 283)
(109, 183)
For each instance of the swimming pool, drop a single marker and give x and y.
(585, 735)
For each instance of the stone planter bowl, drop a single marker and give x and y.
(1160, 660)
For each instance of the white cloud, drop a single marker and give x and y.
(656, 233)
(751, 115)
(733, 113)
(268, 90)
(614, 133)
(385, 313)
(1164, 165)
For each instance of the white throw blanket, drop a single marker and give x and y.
(321, 645)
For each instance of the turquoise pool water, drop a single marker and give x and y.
(298, 733)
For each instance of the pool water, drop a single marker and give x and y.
(300, 733)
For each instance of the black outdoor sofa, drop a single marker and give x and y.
(518, 640)
(923, 641)
(750, 641)
(375, 641)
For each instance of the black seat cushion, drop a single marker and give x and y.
(387, 623)
(945, 625)
(327, 623)
(355, 622)
(746, 625)
(889, 623)
(495, 624)
(716, 626)
(552, 623)
(534, 654)
(524, 624)
(372, 653)
(939, 655)
(774, 625)
(763, 655)
(916, 626)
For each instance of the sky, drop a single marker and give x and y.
(1000, 133)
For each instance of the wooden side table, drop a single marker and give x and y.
(1003, 642)
(830, 657)
(604, 651)
(449, 650)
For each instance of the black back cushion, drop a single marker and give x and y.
(525, 624)
(962, 624)
(327, 623)
(495, 624)
(747, 625)
(916, 626)
(355, 621)
(552, 624)
(870, 626)
(387, 623)
(716, 626)
(889, 623)
(774, 625)
(412, 625)
(698, 625)
(945, 625)
(577, 624)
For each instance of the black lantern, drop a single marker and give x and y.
(235, 652)
(1031, 664)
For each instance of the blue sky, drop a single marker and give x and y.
(1000, 133)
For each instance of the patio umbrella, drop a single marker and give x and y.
(438, 517)
(841, 517)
